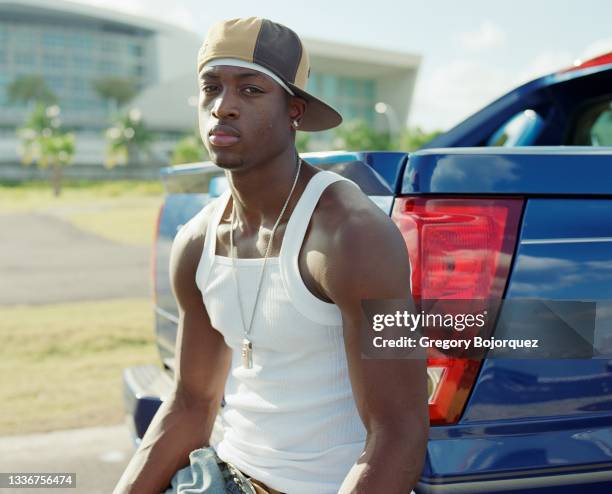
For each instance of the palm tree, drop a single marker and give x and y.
(44, 142)
(127, 139)
(189, 150)
(30, 89)
(116, 90)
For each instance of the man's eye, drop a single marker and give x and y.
(252, 90)
(207, 88)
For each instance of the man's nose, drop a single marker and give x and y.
(225, 105)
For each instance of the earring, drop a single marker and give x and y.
(296, 123)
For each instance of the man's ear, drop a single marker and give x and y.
(297, 107)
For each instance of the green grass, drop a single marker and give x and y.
(123, 211)
(38, 193)
(61, 364)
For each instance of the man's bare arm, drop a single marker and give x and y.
(185, 420)
(368, 260)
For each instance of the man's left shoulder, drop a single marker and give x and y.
(355, 228)
(364, 250)
(349, 215)
(344, 199)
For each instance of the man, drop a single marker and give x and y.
(269, 280)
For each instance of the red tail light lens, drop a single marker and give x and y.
(459, 248)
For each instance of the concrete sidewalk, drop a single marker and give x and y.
(98, 456)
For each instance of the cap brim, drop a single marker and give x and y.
(318, 115)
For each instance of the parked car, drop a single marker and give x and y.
(518, 200)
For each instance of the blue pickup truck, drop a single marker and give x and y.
(517, 203)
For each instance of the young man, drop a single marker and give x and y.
(269, 280)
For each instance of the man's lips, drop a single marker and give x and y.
(223, 135)
(222, 140)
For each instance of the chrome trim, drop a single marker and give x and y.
(167, 346)
(166, 314)
(531, 150)
(488, 486)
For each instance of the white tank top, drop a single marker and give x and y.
(291, 420)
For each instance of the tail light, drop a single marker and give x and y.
(459, 248)
(154, 256)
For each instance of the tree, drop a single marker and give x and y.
(116, 90)
(189, 150)
(302, 141)
(414, 138)
(29, 89)
(127, 139)
(44, 142)
(357, 135)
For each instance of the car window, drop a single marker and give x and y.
(520, 130)
(593, 125)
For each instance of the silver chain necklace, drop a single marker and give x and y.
(247, 345)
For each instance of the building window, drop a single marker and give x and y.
(80, 85)
(52, 61)
(82, 41)
(108, 67)
(4, 35)
(369, 89)
(53, 39)
(109, 45)
(135, 49)
(353, 97)
(56, 83)
(26, 58)
(82, 62)
(312, 86)
(138, 70)
(329, 86)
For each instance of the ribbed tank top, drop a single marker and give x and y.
(291, 420)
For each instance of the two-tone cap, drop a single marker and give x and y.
(261, 43)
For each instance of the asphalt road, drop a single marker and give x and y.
(44, 259)
(98, 456)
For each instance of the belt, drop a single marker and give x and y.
(245, 483)
(261, 488)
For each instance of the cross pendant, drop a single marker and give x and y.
(247, 354)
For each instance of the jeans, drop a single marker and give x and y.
(206, 474)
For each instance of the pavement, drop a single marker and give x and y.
(98, 456)
(45, 259)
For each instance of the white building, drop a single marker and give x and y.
(72, 45)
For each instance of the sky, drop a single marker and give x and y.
(473, 51)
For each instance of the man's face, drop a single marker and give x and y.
(244, 116)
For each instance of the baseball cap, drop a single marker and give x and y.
(274, 50)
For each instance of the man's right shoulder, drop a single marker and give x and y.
(185, 256)
(195, 229)
(189, 239)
